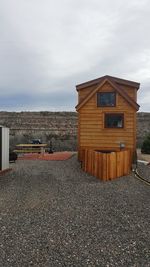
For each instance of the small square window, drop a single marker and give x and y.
(106, 99)
(114, 120)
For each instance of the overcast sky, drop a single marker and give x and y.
(47, 47)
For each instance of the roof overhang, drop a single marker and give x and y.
(115, 85)
(117, 80)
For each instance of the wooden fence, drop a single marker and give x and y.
(107, 166)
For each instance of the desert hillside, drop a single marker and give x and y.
(60, 127)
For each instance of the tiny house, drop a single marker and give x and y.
(107, 109)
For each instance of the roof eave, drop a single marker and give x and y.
(115, 86)
(98, 80)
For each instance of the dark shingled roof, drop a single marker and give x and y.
(117, 80)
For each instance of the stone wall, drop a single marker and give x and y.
(59, 127)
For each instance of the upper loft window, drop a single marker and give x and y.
(106, 99)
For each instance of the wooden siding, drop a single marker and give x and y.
(132, 92)
(93, 134)
(84, 92)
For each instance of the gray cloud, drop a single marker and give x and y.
(48, 47)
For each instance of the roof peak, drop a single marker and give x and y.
(114, 84)
(107, 77)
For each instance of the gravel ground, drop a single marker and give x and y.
(54, 214)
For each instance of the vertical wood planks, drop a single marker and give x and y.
(106, 166)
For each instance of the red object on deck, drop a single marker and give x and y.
(55, 156)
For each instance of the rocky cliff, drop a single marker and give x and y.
(60, 127)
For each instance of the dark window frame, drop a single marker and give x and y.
(113, 114)
(106, 93)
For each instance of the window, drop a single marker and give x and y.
(107, 99)
(114, 120)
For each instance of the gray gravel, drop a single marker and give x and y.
(54, 214)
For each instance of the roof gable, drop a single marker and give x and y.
(112, 82)
(115, 79)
